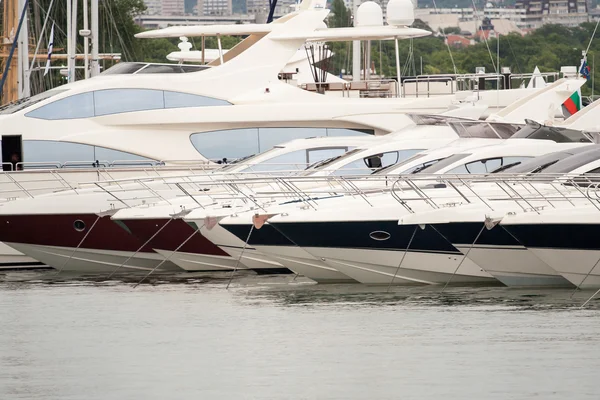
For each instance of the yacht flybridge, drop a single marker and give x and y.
(150, 118)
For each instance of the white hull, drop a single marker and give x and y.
(380, 267)
(200, 262)
(232, 245)
(94, 261)
(11, 259)
(573, 265)
(514, 266)
(302, 263)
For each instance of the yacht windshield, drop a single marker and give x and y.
(572, 163)
(540, 163)
(486, 130)
(328, 161)
(23, 103)
(443, 163)
(533, 130)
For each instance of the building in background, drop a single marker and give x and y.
(153, 7)
(215, 7)
(563, 12)
(527, 15)
(172, 7)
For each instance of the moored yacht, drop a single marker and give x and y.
(368, 250)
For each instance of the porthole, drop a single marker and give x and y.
(379, 235)
(79, 225)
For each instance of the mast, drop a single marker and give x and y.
(73, 48)
(23, 55)
(95, 67)
(355, 48)
(86, 41)
(69, 39)
(10, 23)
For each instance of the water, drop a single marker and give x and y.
(279, 338)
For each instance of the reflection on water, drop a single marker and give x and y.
(274, 337)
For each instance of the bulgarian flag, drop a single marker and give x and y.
(572, 104)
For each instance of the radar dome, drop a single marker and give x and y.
(400, 12)
(369, 13)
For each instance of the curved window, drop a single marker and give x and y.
(486, 166)
(295, 160)
(115, 101)
(269, 137)
(237, 143)
(76, 106)
(368, 165)
(22, 104)
(181, 100)
(45, 154)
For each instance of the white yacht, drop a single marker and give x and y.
(429, 132)
(151, 118)
(562, 233)
(364, 251)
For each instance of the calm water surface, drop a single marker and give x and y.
(279, 338)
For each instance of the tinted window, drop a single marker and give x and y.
(571, 163)
(76, 106)
(295, 160)
(486, 166)
(368, 165)
(444, 163)
(180, 100)
(44, 153)
(559, 135)
(478, 129)
(28, 101)
(114, 101)
(217, 145)
(348, 132)
(323, 154)
(230, 144)
(539, 164)
(269, 137)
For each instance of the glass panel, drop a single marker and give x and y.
(123, 68)
(270, 137)
(44, 151)
(104, 154)
(445, 163)
(217, 145)
(171, 69)
(76, 106)
(22, 104)
(368, 165)
(486, 166)
(113, 101)
(348, 132)
(534, 130)
(295, 160)
(180, 100)
(323, 154)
